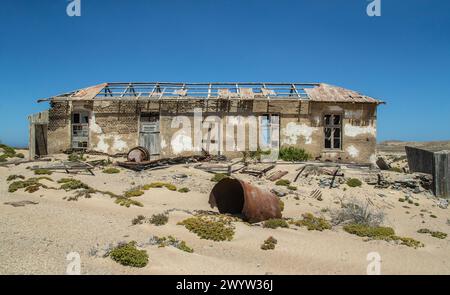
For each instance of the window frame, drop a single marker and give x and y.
(333, 127)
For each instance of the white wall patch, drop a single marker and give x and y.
(353, 151)
(353, 131)
(292, 131)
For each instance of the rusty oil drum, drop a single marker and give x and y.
(236, 196)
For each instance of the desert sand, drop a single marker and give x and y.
(36, 238)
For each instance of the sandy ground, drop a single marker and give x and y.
(35, 239)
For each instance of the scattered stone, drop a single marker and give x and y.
(279, 192)
(179, 176)
(442, 203)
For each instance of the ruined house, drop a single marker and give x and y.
(331, 123)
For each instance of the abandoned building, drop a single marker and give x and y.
(331, 123)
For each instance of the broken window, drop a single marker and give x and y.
(332, 129)
(80, 130)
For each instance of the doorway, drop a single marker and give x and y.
(149, 134)
(80, 130)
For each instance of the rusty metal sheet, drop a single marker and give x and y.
(329, 93)
(236, 196)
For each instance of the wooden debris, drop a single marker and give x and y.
(382, 164)
(161, 163)
(277, 175)
(257, 170)
(69, 167)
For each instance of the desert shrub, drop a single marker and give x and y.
(169, 186)
(42, 172)
(218, 177)
(138, 220)
(3, 158)
(362, 230)
(20, 155)
(292, 188)
(129, 255)
(396, 169)
(8, 152)
(354, 182)
(132, 193)
(269, 244)
(433, 216)
(70, 184)
(111, 170)
(127, 202)
(159, 219)
(281, 205)
(83, 193)
(210, 227)
(283, 182)
(434, 234)
(171, 241)
(275, 223)
(401, 200)
(33, 188)
(313, 223)
(14, 177)
(76, 157)
(184, 190)
(292, 154)
(16, 185)
(357, 212)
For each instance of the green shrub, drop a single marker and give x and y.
(434, 234)
(138, 220)
(292, 154)
(313, 223)
(129, 255)
(171, 241)
(76, 157)
(111, 170)
(381, 233)
(281, 205)
(42, 172)
(218, 177)
(133, 193)
(169, 186)
(20, 155)
(433, 216)
(184, 190)
(126, 202)
(354, 182)
(159, 219)
(210, 228)
(184, 247)
(8, 152)
(14, 177)
(283, 182)
(401, 200)
(275, 223)
(269, 244)
(292, 187)
(70, 184)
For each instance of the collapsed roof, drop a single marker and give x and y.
(318, 92)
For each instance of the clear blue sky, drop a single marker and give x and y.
(402, 57)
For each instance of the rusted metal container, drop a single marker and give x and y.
(235, 196)
(138, 155)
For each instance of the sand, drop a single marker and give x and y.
(36, 238)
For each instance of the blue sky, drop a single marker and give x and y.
(402, 57)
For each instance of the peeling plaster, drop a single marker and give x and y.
(373, 159)
(353, 131)
(163, 144)
(353, 151)
(94, 126)
(118, 145)
(181, 142)
(292, 131)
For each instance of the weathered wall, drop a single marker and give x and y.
(114, 126)
(58, 133)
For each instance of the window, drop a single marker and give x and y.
(332, 129)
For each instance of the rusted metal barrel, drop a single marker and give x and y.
(138, 154)
(235, 196)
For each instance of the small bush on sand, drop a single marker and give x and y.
(433, 216)
(132, 193)
(313, 223)
(168, 186)
(218, 177)
(129, 255)
(42, 172)
(159, 219)
(127, 202)
(111, 170)
(269, 244)
(171, 241)
(434, 234)
(293, 154)
(14, 177)
(283, 182)
(83, 193)
(396, 169)
(401, 200)
(210, 227)
(184, 190)
(354, 182)
(76, 157)
(70, 184)
(275, 223)
(292, 188)
(138, 220)
(20, 155)
(357, 212)
(381, 233)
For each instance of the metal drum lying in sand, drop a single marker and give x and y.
(235, 196)
(138, 154)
